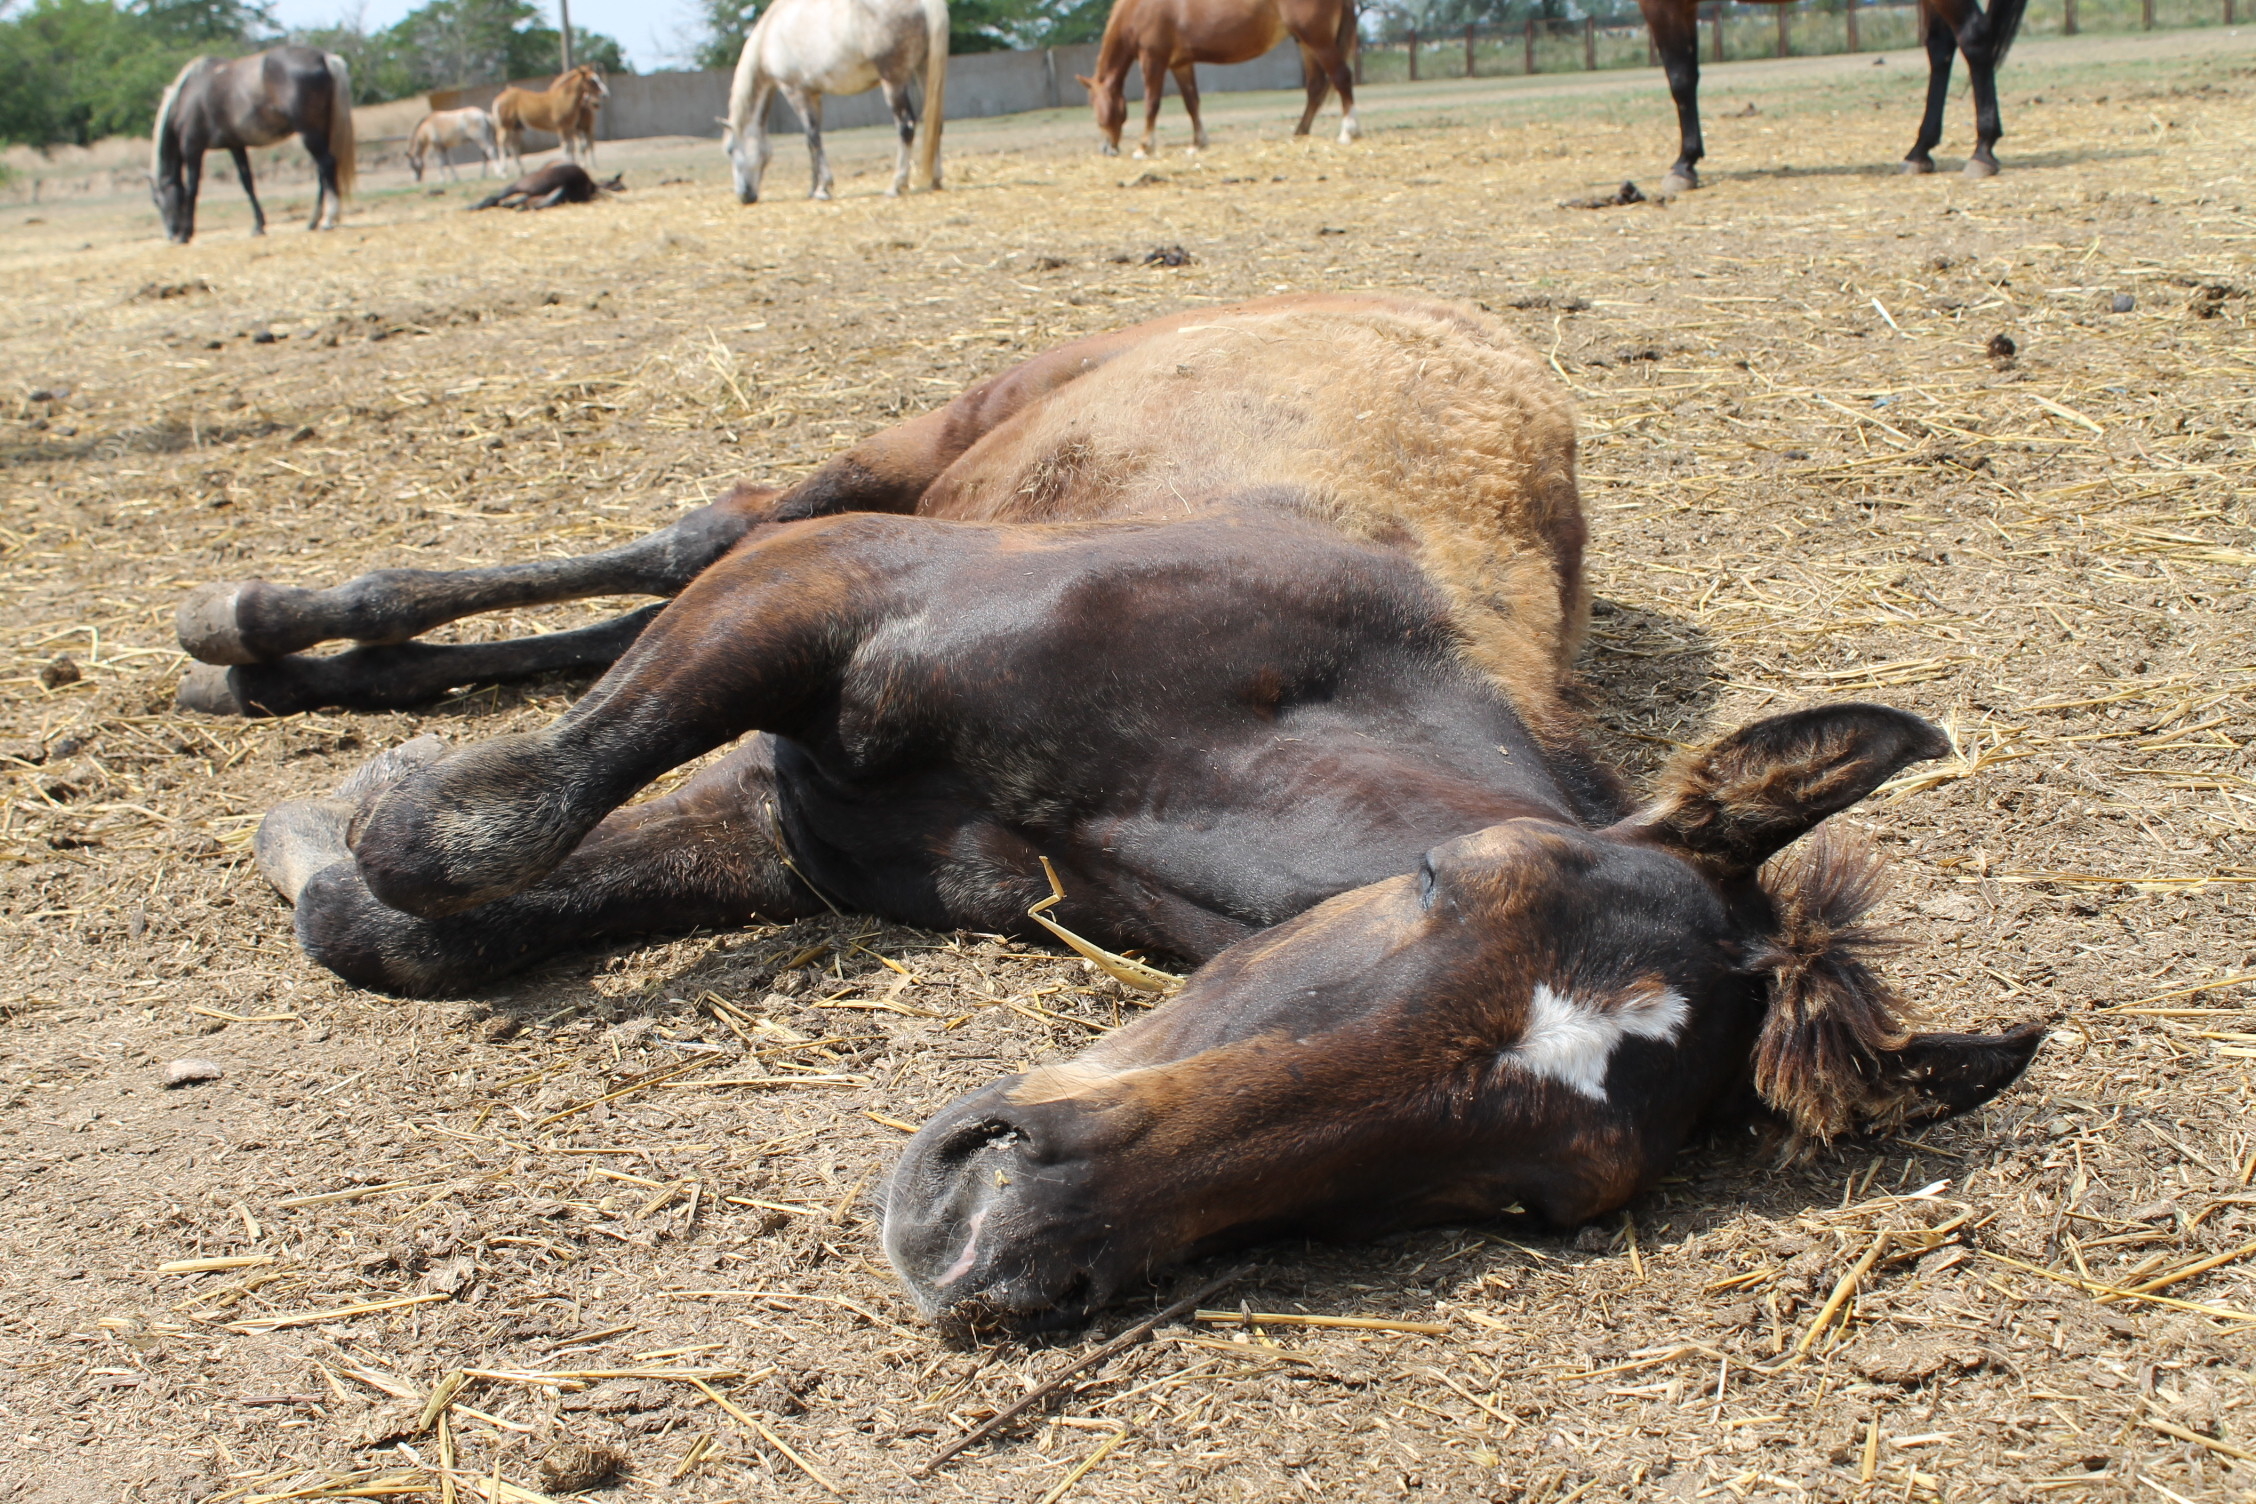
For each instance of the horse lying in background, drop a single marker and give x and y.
(1945, 27)
(1258, 622)
(557, 183)
(444, 130)
(809, 48)
(246, 102)
(1173, 36)
(566, 108)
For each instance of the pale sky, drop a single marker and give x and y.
(652, 31)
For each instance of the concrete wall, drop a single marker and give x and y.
(979, 84)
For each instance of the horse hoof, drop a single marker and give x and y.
(1138, 155)
(1978, 169)
(1350, 130)
(208, 627)
(1918, 166)
(208, 689)
(1678, 182)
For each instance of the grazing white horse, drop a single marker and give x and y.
(809, 48)
(443, 130)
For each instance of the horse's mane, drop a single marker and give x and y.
(1831, 1017)
(164, 127)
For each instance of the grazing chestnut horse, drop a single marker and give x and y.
(444, 130)
(809, 48)
(1256, 621)
(1945, 27)
(1170, 36)
(253, 101)
(565, 108)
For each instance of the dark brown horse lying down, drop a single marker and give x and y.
(1256, 622)
(557, 183)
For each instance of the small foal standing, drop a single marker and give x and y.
(809, 48)
(253, 101)
(444, 130)
(1945, 27)
(1173, 36)
(565, 108)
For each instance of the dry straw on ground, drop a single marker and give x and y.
(416, 1250)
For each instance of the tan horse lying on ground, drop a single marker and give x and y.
(566, 107)
(1173, 35)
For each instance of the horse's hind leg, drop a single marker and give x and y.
(1319, 81)
(1976, 40)
(243, 171)
(1155, 86)
(1941, 46)
(1186, 84)
(254, 622)
(707, 854)
(1675, 29)
(395, 676)
(904, 123)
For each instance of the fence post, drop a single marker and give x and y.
(1530, 68)
(2068, 18)
(1784, 12)
(1468, 49)
(2228, 12)
(1413, 54)
(1590, 43)
(1717, 16)
(2146, 15)
(1849, 14)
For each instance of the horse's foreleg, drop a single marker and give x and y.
(708, 854)
(1675, 28)
(1186, 84)
(1318, 78)
(1941, 46)
(759, 642)
(397, 676)
(254, 622)
(250, 191)
(1978, 41)
(809, 105)
(904, 124)
(1155, 87)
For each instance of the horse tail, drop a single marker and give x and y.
(2005, 23)
(341, 145)
(935, 89)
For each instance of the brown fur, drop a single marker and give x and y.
(1817, 1059)
(1173, 36)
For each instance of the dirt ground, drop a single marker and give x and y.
(1812, 472)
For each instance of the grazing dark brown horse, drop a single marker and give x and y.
(253, 101)
(1257, 622)
(1945, 27)
(1171, 36)
(557, 183)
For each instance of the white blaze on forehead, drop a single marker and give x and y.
(1571, 1039)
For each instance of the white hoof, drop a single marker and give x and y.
(1139, 154)
(1677, 182)
(1351, 129)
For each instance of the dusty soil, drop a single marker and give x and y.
(1809, 476)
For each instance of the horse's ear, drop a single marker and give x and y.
(1728, 807)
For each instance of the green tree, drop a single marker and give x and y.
(721, 27)
(78, 70)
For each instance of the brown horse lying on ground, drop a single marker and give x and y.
(566, 108)
(1945, 26)
(557, 183)
(1171, 36)
(1257, 622)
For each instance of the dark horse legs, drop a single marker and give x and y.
(706, 854)
(1960, 26)
(243, 171)
(1946, 26)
